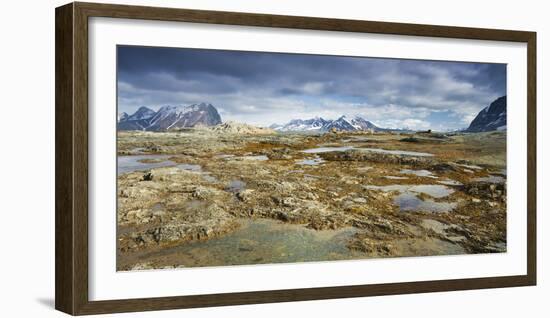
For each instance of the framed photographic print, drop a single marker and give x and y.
(211, 158)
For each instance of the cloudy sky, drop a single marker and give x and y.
(264, 88)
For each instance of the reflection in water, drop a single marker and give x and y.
(265, 241)
(128, 164)
(434, 190)
(408, 199)
(262, 241)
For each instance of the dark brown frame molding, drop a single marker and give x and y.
(71, 154)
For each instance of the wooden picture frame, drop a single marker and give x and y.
(71, 89)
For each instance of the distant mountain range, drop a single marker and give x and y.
(492, 117)
(301, 125)
(170, 118)
(343, 123)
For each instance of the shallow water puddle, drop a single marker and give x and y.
(398, 152)
(126, 164)
(408, 199)
(311, 162)
(396, 178)
(261, 241)
(450, 182)
(327, 149)
(259, 157)
(233, 157)
(471, 167)
(224, 156)
(434, 190)
(491, 179)
(419, 173)
(265, 241)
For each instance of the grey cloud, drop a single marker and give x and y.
(251, 85)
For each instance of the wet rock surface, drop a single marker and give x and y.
(168, 212)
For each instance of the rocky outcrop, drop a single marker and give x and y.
(240, 128)
(357, 155)
(160, 209)
(487, 190)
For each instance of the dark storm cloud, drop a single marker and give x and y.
(262, 88)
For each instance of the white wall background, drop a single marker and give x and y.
(27, 158)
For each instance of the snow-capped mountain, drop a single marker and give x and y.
(319, 124)
(356, 123)
(171, 117)
(143, 113)
(362, 124)
(122, 117)
(340, 124)
(137, 121)
(301, 125)
(492, 117)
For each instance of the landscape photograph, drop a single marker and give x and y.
(229, 158)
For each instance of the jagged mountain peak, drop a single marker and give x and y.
(343, 123)
(492, 117)
(315, 123)
(142, 113)
(172, 117)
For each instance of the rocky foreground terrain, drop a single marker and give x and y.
(186, 197)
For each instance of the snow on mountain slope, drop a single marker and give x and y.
(492, 117)
(319, 124)
(171, 117)
(301, 125)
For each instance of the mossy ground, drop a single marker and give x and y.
(178, 206)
